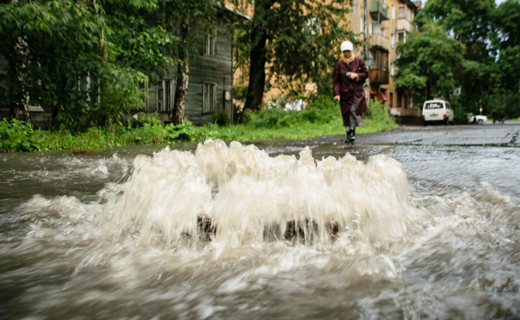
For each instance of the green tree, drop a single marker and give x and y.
(293, 41)
(428, 62)
(507, 43)
(84, 60)
(472, 22)
(61, 56)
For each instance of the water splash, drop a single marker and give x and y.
(251, 197)
(135, 248)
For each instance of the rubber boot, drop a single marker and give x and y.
(353, 135)
(349, 136)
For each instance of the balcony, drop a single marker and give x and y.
(378, 40)
(405, 24)
(379, 76)
(378, 66)
(378, 10)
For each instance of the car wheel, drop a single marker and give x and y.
(480, 121)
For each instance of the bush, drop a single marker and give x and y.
(150, 118)
(14, 136)
(323, 117)
(460, 115)
(323, 109)
(221, 118)
(324, 103)
(240, 92)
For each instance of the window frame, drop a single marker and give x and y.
(401, 12)
(167, 95)
(206, 109)
(210, 44)
(404, 36)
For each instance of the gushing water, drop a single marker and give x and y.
(249, 197)
(230, 232)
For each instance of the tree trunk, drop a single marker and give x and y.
(181, 90)
(180, 93)
(255, 90)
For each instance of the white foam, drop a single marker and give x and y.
(245, 192)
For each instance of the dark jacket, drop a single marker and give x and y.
(351, 92)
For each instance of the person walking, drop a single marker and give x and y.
(503, 117)
(350, 72)
(494, 115)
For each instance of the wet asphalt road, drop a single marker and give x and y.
(441, 159)
(488, 134)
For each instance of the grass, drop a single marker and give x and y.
(322, 118)
(303, 131)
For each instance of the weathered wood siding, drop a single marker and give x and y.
(213, 69)
(216, 69)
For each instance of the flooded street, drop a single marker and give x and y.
(410, 224)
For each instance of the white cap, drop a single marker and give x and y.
(347, 45)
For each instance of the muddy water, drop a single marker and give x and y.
(422, 232)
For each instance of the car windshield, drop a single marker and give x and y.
(433, 105)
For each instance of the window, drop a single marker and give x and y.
(401, 12)
(160, 96)
(209, 97)
(391, 99)
(398, 100)
(392, 40)
(383, 31)
(393, 12)
(210, 45)
(392, 70)
(168, 94)
(378, 59)
(164, 95)
(362, 26)
(401, 36)
(375, 28)
(433, 105)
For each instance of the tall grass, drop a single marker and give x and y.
(323, 117)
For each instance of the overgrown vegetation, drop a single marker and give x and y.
(323, 117)
(84, 61)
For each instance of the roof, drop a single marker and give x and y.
(238, 13)
(412, 5)
(230, 10)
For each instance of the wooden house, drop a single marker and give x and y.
(210, 84)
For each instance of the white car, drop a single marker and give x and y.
(437, 111)
(476, 119)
